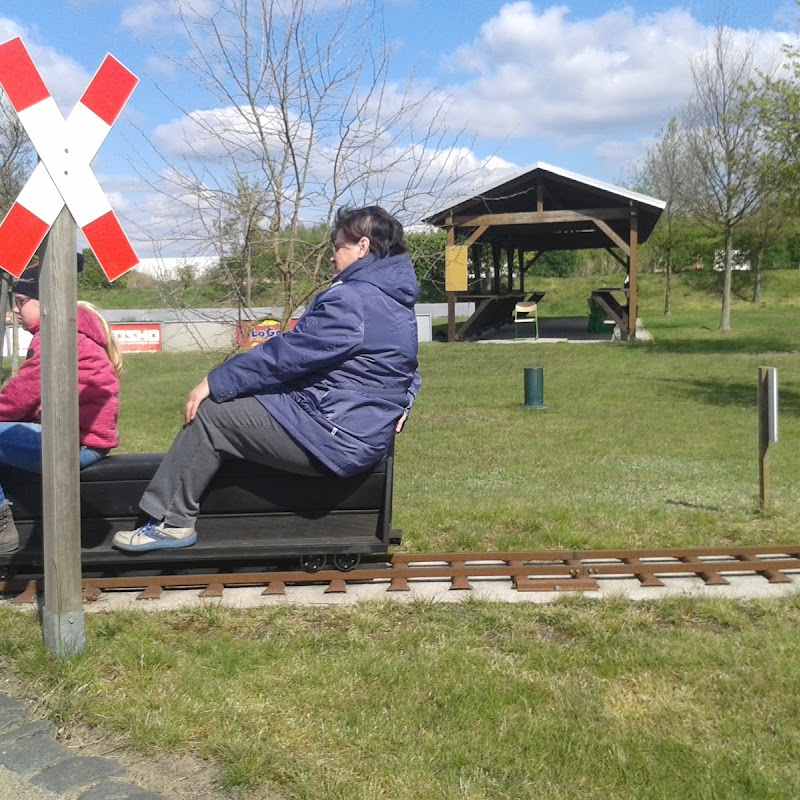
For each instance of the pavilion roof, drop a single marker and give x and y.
(548, 208)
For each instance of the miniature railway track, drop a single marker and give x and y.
(534, 571)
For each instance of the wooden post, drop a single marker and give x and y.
(451, 296)
(633, 273)
(764, 493)
(63, 616)
(14, 343)
(5, 306)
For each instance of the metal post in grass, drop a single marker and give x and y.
(534, 387)
(767, 429)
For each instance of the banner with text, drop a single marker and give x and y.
(137, 337)
(249, 333)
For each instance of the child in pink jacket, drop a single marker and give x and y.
(99, 366)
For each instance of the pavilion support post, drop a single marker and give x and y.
(476, 261)
(451, 296)
(496, 267)
(63, 616)
(633, 273)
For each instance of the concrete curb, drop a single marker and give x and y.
(35, 766)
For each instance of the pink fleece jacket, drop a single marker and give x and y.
(98, 386)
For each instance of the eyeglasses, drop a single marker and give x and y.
(19, 301)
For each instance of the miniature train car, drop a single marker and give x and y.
(250, 513)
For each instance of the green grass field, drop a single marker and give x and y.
(641, 445)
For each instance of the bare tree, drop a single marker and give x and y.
(304, 119)
(16, 155)
(16, 164)
(242, 232)
(724, 148)
(663, 175)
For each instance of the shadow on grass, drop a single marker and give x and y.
(731, 394)
(693, 506)
(726, 343)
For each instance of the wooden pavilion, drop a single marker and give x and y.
(543, 209)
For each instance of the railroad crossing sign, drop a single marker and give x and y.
(63, 175)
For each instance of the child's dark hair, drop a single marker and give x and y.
(384, 232)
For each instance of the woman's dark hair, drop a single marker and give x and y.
(384, 232)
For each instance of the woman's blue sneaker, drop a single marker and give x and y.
(154, 535)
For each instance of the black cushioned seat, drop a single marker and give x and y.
(249, 511)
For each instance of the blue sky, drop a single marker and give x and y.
(581, 85)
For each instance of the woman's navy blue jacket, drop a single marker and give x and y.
(342, 378)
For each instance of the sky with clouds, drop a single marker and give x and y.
(583, 85)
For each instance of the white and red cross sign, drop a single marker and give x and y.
(63, 175)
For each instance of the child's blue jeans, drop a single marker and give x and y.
(21, 447)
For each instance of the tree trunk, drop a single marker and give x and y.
(288, 298)
(668, 290)
(725, 321)
(248, 296)
(757, 286)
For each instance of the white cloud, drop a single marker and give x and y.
(542, 73)
(617, 156)
(64, 77)
(219, 133)
(147, 17)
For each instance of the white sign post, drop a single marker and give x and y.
(61, 192)
(767, 429)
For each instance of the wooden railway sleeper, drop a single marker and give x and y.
(528, 571)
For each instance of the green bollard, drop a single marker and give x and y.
(534, 387)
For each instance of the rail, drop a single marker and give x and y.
(530, 571)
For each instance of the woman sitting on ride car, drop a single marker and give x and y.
(323, 399)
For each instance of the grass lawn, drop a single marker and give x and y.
(642, 445)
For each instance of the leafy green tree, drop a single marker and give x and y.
(427, 251)
(725, 163)
(760, 231)
(93, 277)
(779, 107)
(555, 264)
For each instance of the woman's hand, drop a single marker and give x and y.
(401, 422)
(196, 396)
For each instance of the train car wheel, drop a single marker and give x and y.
(313, 562)
(344, 562)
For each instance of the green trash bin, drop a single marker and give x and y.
(597, 320)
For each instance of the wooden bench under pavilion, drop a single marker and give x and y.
(541, 210)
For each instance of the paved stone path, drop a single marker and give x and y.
(35, 766)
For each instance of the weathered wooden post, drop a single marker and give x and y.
(63, 621)
(61, 194)
(5, 290)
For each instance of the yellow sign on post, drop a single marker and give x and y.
(455, 268)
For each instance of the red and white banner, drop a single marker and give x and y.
(64, 174)
(137, 337)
